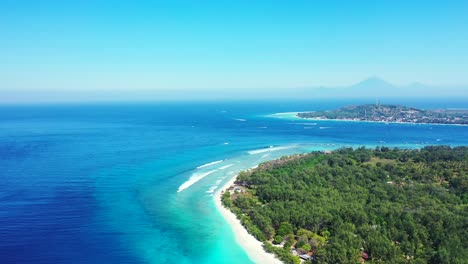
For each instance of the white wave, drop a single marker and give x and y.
(324, 127)
(284, 113)
(212, 189)
(209, 164)
(240, 119)
(266, 156)
(193, 179)
(270, 149)
(226, 143)
(226, 166)
(305, 124)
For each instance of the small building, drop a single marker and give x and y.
(305, 257)
(238, 189)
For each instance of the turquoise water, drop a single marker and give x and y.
(134, 183)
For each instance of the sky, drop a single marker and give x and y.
(70, 48)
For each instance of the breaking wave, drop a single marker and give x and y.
(209, 164)
(193, 179)
(226, 166)
(270, 149)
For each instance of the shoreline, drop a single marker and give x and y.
(250, 244)
(384, 122)
(294, 116)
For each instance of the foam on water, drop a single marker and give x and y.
(212, 189)
(226, 166)
(285, 115)
(302, 123)
(270, 149)
(193, 179)
(209, 164)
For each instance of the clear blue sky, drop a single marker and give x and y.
(189, 45)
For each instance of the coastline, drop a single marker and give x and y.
(250, 244)
(294, 116)
(384, 122)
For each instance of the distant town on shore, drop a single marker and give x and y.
(391, 113)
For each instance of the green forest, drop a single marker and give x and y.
(379, 205)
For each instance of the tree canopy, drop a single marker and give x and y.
(375, 205)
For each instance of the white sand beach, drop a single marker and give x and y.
(252, 246)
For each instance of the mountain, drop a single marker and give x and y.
(371, 88)
(375, 87)
(372, 83)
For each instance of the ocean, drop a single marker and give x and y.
(134, 182)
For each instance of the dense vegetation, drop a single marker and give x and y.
(391, 113)
(378, 206)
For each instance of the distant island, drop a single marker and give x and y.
(360, 205)
(391, 113)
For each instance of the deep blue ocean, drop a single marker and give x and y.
(134, 182)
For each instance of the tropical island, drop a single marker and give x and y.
(362, 205)
(391, 113)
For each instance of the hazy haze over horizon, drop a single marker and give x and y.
(115, 50)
